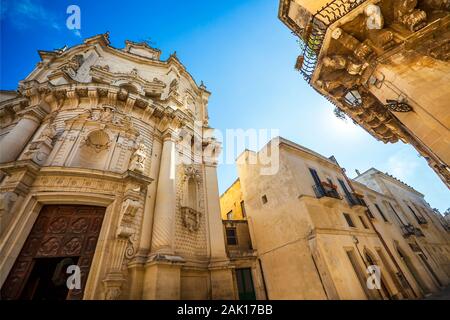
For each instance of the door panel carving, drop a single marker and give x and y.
(59, 231)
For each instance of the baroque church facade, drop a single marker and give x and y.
(108, 163)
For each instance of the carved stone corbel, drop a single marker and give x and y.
(405, 13)
(125, 230)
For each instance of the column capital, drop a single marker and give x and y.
(169, 134)
(36, 113)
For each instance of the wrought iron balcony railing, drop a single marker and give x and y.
(322, 191)
(354, 200)
(418, 232)
(408, 230)
(315, 35)
(421, 220)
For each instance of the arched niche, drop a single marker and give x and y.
(191, 184)
(191, 201)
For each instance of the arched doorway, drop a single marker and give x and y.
(413, 271)
(62, 236)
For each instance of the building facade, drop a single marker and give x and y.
(108, 163)
(385, 64)
(315, 231)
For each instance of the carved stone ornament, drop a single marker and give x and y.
(127, 214)
(97, 140)
(191, 172)
(398, 106)
(71, 67)
(137, 161)
(405, 12)
(7, 201)
(190, 218)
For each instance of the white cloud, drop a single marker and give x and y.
(402, 165)
(24, 14)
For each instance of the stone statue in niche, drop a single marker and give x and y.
(405, 13)
(137, 162)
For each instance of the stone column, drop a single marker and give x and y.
(222, 284)
(150, 201)
(164, 218)
(162, 279)
(217, 242)
(15, 141)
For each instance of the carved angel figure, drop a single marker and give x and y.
(48, 133)
(138, 159)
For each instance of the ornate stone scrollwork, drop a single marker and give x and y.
(71, 67)
(126, 221)
(39, 149)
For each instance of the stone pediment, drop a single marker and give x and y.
(142, 49)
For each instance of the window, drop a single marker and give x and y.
(344, 187)
(381, 213)
(396, 214)
(349, 220)
(231, 236)
(363, 222)
(317, 181)
(370, 214)
(230, 215)
(420, 219)
(264, 199)
(244, 214)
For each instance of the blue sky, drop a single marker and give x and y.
(242, 52)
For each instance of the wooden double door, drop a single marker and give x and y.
(60, 245)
